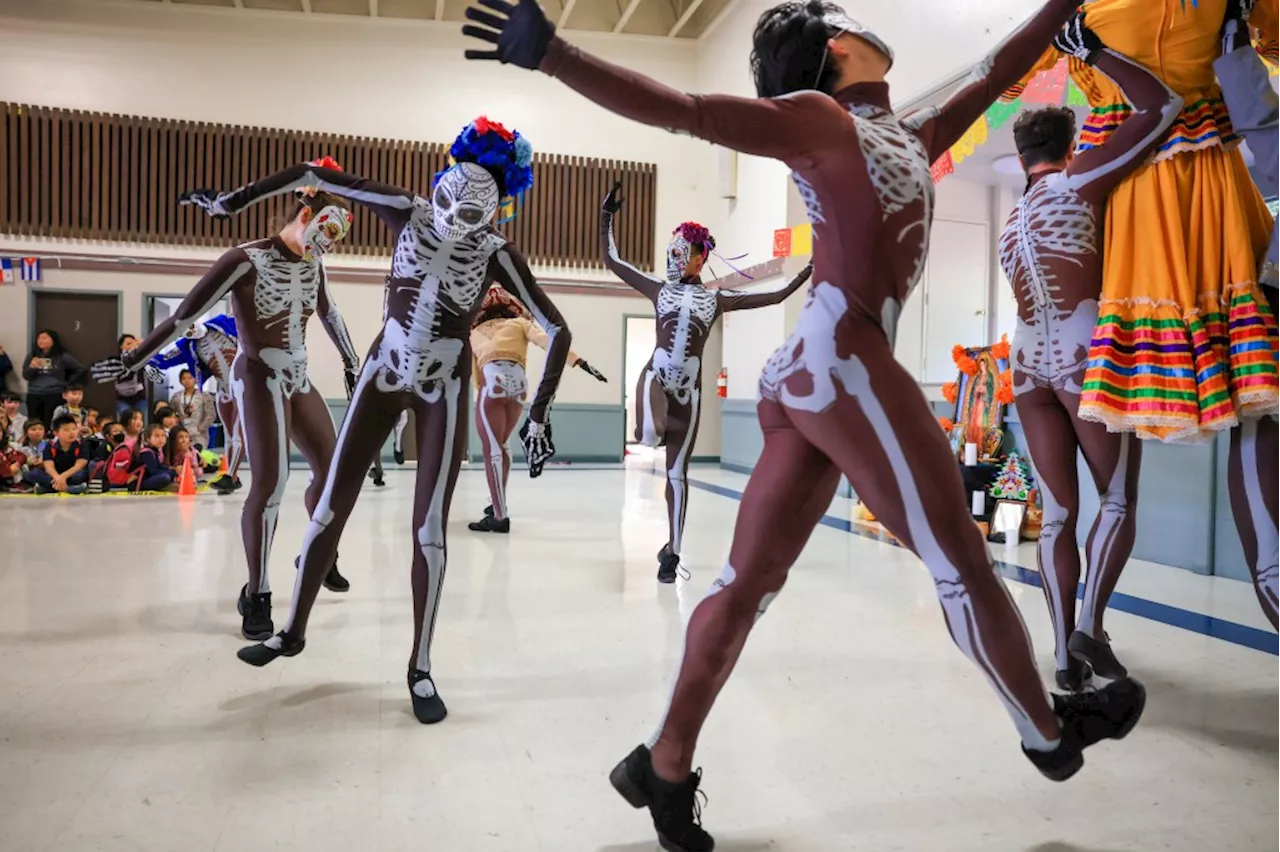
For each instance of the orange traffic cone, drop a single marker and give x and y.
(222, 464)
(187, 482)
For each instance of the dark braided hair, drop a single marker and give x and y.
(789, 49)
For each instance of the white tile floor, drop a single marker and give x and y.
(126, 722)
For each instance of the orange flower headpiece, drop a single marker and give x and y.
(325, 162)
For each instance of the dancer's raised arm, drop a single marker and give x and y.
(940, 127)
(631, 276)
(389, 203)
(336, 328)
(735, 300)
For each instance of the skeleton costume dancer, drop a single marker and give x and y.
(208, 349)
(446, 254)
(274, 285)
(834, 399)
(1253, 464)
(669, 393)
(1051, 253)
(500, 338)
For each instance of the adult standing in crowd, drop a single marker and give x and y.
(195, 409)
(131, 391)
(48, 370)
(6, 367)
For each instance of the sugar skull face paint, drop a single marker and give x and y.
(196, 331)
(687, 252)
(465, 199)
(324, 230)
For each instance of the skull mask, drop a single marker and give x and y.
(684, 259)
(196, 331)
(465, 199)
(324, 230)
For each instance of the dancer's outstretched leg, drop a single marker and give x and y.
(441, 443)
(651, 408)
(368, 421)
(681, 434)
(397, 440)
(1052, 442)
(312, 430)
(230, 416)
(264, 413)
(496, 419)
(1252, 483)
(1114, 461)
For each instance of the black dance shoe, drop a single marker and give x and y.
(488, 511)
(225, 484)
(279, 645)
(1088, 718)
(1097, 654)
(255, 612)
(1074, 677)
(333, 581)
(429, 709)
(668, 563)
(491, 524)
(675, 808)
(398, 455)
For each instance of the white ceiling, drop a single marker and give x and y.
(680, 19)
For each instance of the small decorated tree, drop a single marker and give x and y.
(1014, 482)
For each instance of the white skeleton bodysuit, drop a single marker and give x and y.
(834, 399)
(1051, 253)
(669, 396)
(440, 268)
(273, 294)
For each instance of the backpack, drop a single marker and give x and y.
(120, 466)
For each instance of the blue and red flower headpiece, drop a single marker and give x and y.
(504, 153)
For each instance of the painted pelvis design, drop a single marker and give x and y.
(1052, 350)
(504, 380)
(678, 376)
(290, 369)
(421, 368)
(810, 349)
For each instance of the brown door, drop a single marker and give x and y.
(89, 325)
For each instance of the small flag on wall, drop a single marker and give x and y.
(782, 242)
(6, 271)
(31, 269)
(942, 167)
(802, 239)
(1047, 87)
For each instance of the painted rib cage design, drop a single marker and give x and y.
(1051, 224)
(446, 278)
(285, 293)
(898, 167)
(684, 306)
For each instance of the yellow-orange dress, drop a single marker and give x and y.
(1185, 343)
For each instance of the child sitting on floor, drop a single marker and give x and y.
(72, 398)
(154, 474)
(66, 465)
(12, 461)
(180, 450)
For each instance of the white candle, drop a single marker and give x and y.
(979, 502)
(970, 454)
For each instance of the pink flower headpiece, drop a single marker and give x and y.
(694, 233)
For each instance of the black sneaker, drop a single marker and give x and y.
(333, 581)
(675, 808)
(668, 563)
(1074, 677)
(398, 455)
(225, 484)
(1088, 718)
(491, 524)
(279, 645)
(1097, 654)
(255, 611)
(430, 709)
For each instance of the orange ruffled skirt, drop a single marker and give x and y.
(1185, 343)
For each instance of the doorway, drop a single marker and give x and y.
(640, 337)
(89, 325)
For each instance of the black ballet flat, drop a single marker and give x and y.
(262, 653)
(490, 524)
(1097, 654)
(431, 709)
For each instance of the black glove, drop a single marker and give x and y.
(109, 370)
(1076, 39)
(207, 200)
(349, 379)
(538, 448)
(613, 201)
(521, 32)
(591, 371)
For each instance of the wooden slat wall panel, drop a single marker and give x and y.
(80, 175)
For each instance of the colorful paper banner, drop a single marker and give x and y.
(942, 167)
(1046, 88)
(972, 138)
(1075, 97)
(782, 242)
(999, 113)
(802, 239)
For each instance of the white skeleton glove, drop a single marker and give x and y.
(1076, 39)
(154, 374)
(538, 447)
(109, 370)
(207, 200)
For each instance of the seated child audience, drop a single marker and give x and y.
(121, 467)
(72, 398)
(180, 449)
(10, 402)
(12, 461)
(65, 466)
(166, 417)
(155, 475)
(131, 420)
